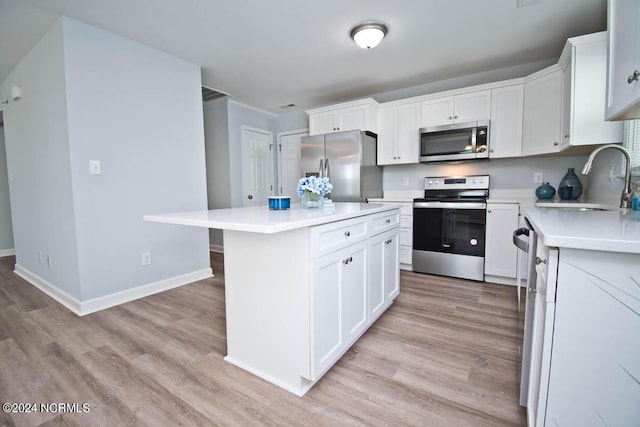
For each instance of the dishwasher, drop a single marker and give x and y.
(525, 239)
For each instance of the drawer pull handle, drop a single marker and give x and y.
(347, 260)
(540, 261)
(388, 241)
(347, 233)
(388, 221)
(633, 77)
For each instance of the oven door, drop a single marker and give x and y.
(454, 227)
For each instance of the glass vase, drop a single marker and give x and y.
(311, 200)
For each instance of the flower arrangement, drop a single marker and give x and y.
(312, 189)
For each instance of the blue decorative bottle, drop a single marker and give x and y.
(571, 180)
(545, 191)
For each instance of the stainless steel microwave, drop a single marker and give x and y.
(460, 141)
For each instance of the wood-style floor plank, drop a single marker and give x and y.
(447, 353)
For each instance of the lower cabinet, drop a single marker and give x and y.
(384, 274)
(339, 303)
(352, 285)
(500, 253)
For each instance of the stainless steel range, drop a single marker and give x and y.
(449, 226)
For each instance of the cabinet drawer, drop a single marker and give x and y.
(385, 221)
(336, 235)
(405, 254)
(406, 221)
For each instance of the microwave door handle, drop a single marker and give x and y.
(321, 169)
(474, 139)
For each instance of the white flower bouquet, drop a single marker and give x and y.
(312, 189)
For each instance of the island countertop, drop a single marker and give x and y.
(261, 219)
(610, 231)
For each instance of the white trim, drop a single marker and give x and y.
(498, 280)
(288, 387)
(291, 132)
(251, 107)
(7, 252)
(216, 248)
(82, 308)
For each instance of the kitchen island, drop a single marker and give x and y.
(585, 354)
(301, 285)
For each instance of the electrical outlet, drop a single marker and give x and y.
(95, 167)
(49, 260)
(146, 258)
(538, 177)
(405, 181)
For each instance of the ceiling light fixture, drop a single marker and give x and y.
(368, 34)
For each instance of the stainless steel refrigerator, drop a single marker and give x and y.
(349, 159)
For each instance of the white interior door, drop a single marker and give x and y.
(289, 164)
(257, 166)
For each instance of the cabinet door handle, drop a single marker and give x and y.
(455, 117)
(566, 136)
(250, 197)
(540, 261)
(556, 143)
(388, 241)
(388, 221)
(633, 77)
(488, 211)
(347, 233)
(450, 117)
(345, 261)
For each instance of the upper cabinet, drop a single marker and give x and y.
(505, 128)
(398, 134)
(623, 61)
(564, 103)
(466, 107)
(542, 112)
(583, 63)
(355, 115)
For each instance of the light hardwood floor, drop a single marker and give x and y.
(445, 354)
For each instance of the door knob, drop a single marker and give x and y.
(250, 197)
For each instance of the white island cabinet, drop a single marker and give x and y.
(301, 285)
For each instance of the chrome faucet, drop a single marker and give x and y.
(625, 199)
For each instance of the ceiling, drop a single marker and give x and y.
(269, 53)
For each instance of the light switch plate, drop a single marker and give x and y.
(95, 167)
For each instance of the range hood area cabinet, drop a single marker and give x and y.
(361, 114)
(564, 103)
(623, 60)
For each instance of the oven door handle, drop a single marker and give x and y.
(451, 205)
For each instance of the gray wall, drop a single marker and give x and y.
(92, 95)
(6, 231)
(38, 157)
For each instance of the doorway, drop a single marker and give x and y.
(289, 165)
(257, 166)
(6, 226)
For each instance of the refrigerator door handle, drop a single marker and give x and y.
(326, 165)
(321, 169)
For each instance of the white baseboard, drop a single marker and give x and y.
(7, 252)
(82, 308)
(500, 280)
(216, 248)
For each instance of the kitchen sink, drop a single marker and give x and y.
(576, 206)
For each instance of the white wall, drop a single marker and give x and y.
(38, 157)
(6, 231)
(92, 95)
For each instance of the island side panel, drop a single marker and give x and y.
(267, 285)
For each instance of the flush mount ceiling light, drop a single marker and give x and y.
(369, 34)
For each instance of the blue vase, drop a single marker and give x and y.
(571, 180)
(545, 191)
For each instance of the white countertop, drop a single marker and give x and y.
(611, 231)
(260, 219)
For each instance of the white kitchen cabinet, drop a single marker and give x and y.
(623, 60)
(595, 363)
(339, 290)
(398, 138)
(505, 128)
(355, 115)
(405, 250)
(583, 63)
(384, 274)
(500, 260)
(542, 112)
(466, 107)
